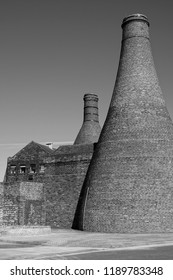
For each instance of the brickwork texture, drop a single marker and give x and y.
(51, 198)
(23, 204)
(129, 183)
(1, 202)
(90, 130)
(122, 184)
(65, 176)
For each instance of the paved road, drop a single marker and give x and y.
(43, 253)
(70, 244)
(152, 253)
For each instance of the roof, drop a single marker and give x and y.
(45, 148)
(41, 146)
(74, 149)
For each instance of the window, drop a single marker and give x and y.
(32, 168)
(13, 169)
(42, 168)
(22, 169)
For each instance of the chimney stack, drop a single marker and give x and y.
(90, 130)
(129, 184)
(50, 145)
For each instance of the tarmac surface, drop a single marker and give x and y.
(70, 244)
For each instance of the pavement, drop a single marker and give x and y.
(73, 244)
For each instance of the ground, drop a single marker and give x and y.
(71, 244)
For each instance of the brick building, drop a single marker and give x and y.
(42, 184)
(120, 181)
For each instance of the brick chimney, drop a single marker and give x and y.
(129, 184)
(90, 130)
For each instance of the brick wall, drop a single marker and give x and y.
(33, 153)
(23, 204)
(1, 202)
(63, 184)
(32, 203)
(128, 187)
(51, 198)
(11, 204)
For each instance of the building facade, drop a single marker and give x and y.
(42, 184)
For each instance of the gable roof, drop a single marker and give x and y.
(45, 148)
(41, 146)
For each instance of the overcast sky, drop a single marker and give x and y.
(52, 52)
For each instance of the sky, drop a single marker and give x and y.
(52, 52)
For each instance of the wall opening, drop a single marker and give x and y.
(22, 169)
(32, 168)
(13, 169)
